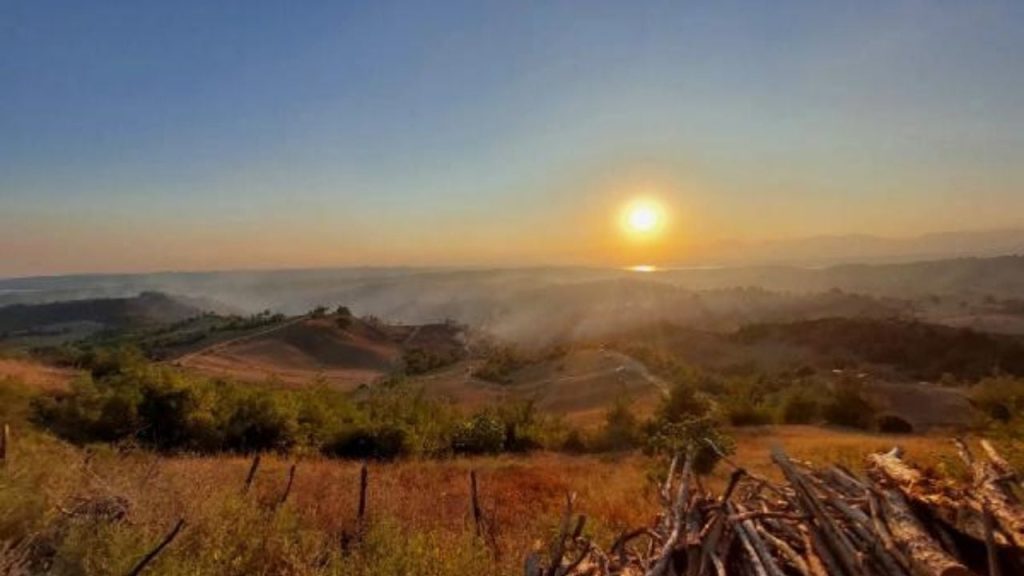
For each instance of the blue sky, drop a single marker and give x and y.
(144, 135)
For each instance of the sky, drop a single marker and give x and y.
(141, 135)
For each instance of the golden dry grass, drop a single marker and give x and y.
(823, 446)
(419, 510)
(36, 375)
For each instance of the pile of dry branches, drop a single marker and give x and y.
(820, 521)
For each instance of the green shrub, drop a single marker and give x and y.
(482, 434)
(703, 435)
(500, 363)
(383, 442)
(999, 397)
(847, 406)
(686, 421)
(621, 430)
(743, 412)
(799, 405)
(420, 360)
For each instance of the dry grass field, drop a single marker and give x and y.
(419, 514)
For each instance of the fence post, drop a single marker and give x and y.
(363, 483)
(288, 488)
(475, 502)
(252, 474)
(5, 443)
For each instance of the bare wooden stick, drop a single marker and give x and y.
(787, 552)
(288, 487)
(830, 534)
(666, 488)
(558, 549)
(474, 501)
(752, 540)
(363, 484)
(159, 548)
(992, 553)
(678, 518)
(5, 442)
(252, 474)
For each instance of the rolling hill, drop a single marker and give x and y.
(339, 349)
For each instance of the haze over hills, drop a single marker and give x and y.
(830, 250)
(521, 303)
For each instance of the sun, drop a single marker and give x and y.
(642, 218)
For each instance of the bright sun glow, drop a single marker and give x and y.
(642, 218)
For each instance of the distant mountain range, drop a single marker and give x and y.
(864, 249)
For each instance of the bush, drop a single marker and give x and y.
(740, 412)
(499, 365)
(171, 411)
(999, 397)
(685, 421)
(697, 434)
(383, 442)
(621, 430)
(848, 407)
(799, 406)
(482, 434)
(575, 442)
(420, 360)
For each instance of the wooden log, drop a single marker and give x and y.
(252, 474)
(991, 553)
(159, 548)
(996, 499)
(678, 513)
(815, 564)
(957, 508)
(830, 534)
(860, 525)
(787, 552)
(754, 557)
(997, 460)
(926, 557)
(883, 532)
(752, 541)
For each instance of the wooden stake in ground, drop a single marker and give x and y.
(288, 487)
(475, 503)
(252, 474)
(363, 483)
(5, 442)
(159, 548)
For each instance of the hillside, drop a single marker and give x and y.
(916, 349)
(59, 321)
(578, 385)
(339, 349)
